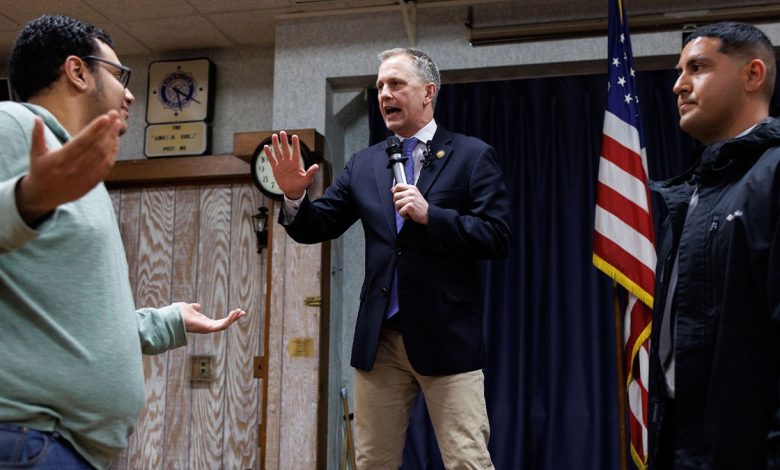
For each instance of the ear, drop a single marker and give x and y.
(75, 72)
(754, 75)
(430, 92)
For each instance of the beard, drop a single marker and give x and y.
(99, 105)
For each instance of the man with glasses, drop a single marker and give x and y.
(71, 382)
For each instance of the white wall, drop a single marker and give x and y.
(309, 51)
(243, 97)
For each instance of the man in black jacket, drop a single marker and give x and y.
(716, 325)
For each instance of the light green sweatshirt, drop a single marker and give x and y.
(70, 337)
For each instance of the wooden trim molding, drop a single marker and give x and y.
(178, 170)
(245, 143)
(228, 168)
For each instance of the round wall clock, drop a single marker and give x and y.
(263, 175)
(180, 91)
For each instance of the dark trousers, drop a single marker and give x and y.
(36, 450)
(665, 460)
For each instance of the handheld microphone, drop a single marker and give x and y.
(396, 161)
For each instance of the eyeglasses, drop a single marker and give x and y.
(124, 72)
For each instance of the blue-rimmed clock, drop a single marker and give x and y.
(179, 107)
(180, 91)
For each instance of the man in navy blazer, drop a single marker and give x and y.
(419, 324)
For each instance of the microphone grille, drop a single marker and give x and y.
(393, 145)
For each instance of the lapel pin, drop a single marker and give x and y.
(440, 154)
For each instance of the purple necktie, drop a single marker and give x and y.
(408, 150)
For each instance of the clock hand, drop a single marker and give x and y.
(181, 93)
(178, 100)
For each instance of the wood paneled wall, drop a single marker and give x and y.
(197, 244)
(298, 383)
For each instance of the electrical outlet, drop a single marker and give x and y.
(202, 368)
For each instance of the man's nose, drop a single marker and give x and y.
(682, 85)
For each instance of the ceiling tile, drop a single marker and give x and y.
(144, 26)
(374, 3)
(124, 43)
(7, 39)
(8, 25)
(318, 5)
(177, 33)
(246, 28)
(24, 11)
(122, 10)
(209, 6)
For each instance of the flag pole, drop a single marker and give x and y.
(623, 237)
(620, 372)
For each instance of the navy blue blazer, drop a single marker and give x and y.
(439, 287)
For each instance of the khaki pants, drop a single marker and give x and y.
(383, 399)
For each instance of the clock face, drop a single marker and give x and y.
(263, 175)
(180, 91)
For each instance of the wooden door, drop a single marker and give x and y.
(197, 244)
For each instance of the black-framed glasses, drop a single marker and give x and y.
(124, 71)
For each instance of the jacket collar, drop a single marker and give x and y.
(435, 158)
(731, 158)
(727, 159)
(50, 121)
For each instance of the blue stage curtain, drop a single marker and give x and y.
(549, 327)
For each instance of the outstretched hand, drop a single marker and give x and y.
(285, 158)
(68, 173)
(196, 322)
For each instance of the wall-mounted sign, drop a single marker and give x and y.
(300, 347)
(171, 140)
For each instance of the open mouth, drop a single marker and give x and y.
(391, 111)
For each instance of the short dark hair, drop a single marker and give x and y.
(41, 48)
(743, 40)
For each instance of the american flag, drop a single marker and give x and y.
(623, 245)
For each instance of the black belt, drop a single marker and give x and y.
(394, 322)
